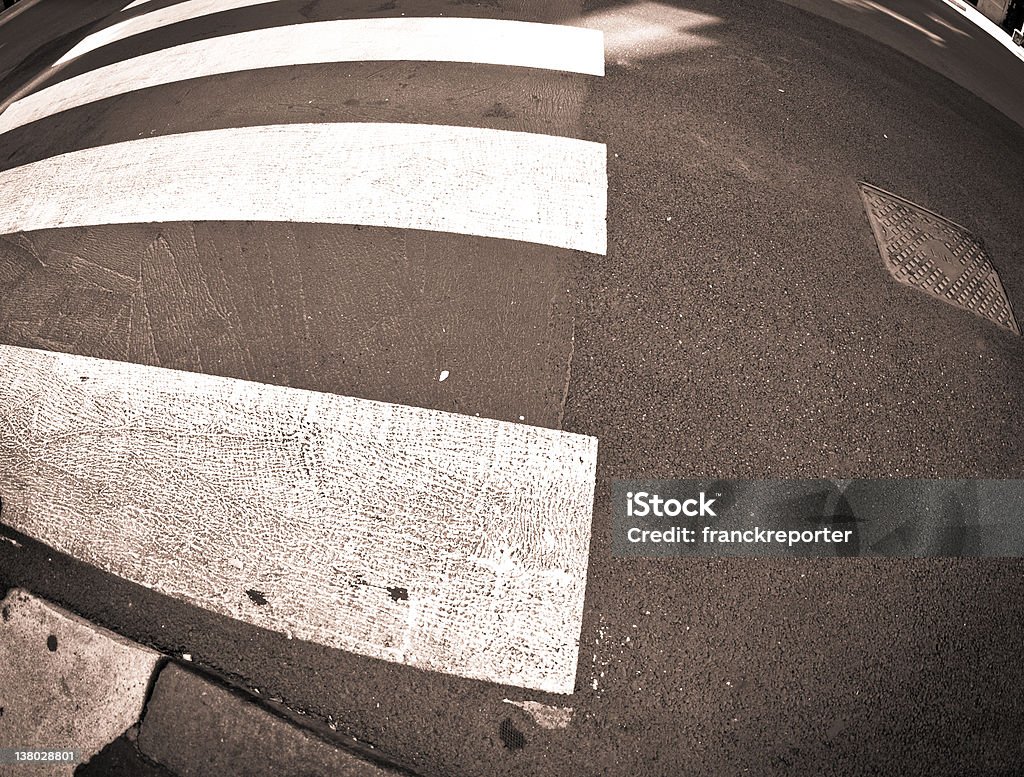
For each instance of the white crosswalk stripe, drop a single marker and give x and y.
(442, 541)
(481, 41)
(514, 185)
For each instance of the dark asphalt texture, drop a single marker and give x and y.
(962, 51)
(36, 36)
(756, 333)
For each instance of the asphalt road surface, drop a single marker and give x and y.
(938, 36)
(740, 324)
(35, 35)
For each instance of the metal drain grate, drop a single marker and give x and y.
(931, 253)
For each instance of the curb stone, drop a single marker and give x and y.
(195, 727)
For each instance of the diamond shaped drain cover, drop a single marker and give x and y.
(931, 253)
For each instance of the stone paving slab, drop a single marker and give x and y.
(65, 684)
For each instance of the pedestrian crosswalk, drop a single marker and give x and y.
(485, 41)
(482, 41)
(232, 252)
(521, 164)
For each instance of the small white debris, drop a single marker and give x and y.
(885, 136)
(186, 656)
(668, 218)
(783, 91)
(522, 418)
(444, 376)
(15, 543)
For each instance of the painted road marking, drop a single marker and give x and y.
(161, 17)
(476, 41)
(492, 183)
(65, 684)
(443, 541)
(491, 41)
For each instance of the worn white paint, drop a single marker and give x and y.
(544, 715)
(209, 489)
(161, 17)
(80, 696)
(481, 41)
(493, 183)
